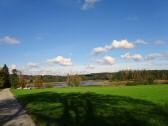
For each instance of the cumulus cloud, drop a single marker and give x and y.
(136, 57)
(32, 65)
(99, 50)
(107, 60)
(115, 44)
(9, 40)
(61, 61)
(121, 44)
(89, 4)
(140, 41)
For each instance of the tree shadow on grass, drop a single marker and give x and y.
(89, 109)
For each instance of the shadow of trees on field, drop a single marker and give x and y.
(89, 109)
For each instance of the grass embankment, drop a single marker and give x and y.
(97, 106)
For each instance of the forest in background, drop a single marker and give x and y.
(131, 77)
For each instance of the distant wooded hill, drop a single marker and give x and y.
(135, 75)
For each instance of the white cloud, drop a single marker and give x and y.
(89, 4)
(90, 66)
(61, 61)
(9, 40)
(13, 66)
(107, 60)
(115, 44)
(99, 50)
(140, 41)
(136, 57)
(32, 65)
(122, 44)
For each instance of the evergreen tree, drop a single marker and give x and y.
(14, 79)
(1, 78)
(6, 77)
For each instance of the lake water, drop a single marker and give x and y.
(83, 83)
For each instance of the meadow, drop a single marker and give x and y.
(145, 105)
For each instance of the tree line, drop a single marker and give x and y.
(137, 76)
(17, 79)
(13, 80)
(141, 75)
(132, 75)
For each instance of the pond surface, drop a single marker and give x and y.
(83, 83)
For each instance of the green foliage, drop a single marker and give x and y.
(97, 106)
(14, 79)
(5, 77)
(125, 75)
(1, 78)
(140, 76)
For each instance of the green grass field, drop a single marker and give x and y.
(97, 106)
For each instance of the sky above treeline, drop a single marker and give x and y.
(83, 36)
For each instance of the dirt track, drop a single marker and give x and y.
(11, 112)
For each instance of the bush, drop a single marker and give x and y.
(73, 80)
(38, 82)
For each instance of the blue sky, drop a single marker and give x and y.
(83, 36)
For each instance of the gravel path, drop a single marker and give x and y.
(11, 112)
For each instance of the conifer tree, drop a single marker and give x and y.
(1, 78)
(6, 77)
(14, 79)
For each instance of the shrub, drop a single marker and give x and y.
(73, 80)
(38, 82)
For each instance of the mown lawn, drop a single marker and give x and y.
(97, 106)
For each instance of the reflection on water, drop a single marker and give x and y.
(87, 83)
(64, 84)
(83, 83)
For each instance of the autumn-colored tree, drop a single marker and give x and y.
(38, 82)
(23, 81)
(73, 80)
